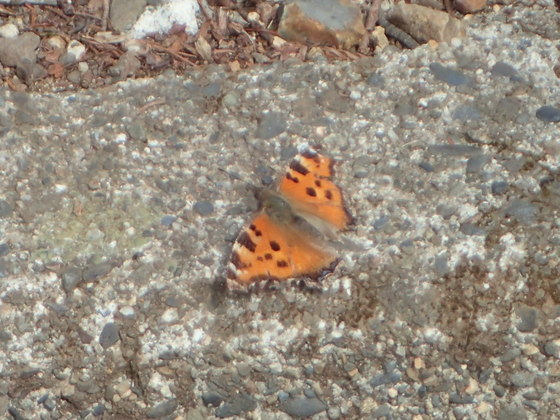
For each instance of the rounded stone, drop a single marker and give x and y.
(203, 208)
(548, 113)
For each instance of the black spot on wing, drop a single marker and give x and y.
(267, 256)
(275, 246)
(236, 261)
(282, 263)
(318, 183)
(328, 194)
(292, 178)
(245, 240)
(298, 167)
(254, 229)
(311, 192)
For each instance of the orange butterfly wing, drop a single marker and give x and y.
(265, 250)
(308, 187)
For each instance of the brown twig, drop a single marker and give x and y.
(105, 17)
(181, 56)
(150, 104)
(397, 33)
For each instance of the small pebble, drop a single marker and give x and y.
(521, 210)
(548, 113)
(109, 335)
(507, 70)
(167, 221)
(552, 348)
(203, 208)
(450, 76)
(163, 409)
(237, 405)
(528, 317)
(303, 407)
(212, 399)
(499, 187)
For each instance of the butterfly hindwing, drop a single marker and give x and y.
(265, 250)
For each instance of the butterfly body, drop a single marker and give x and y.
(292, 235)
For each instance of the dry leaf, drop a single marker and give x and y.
(56, 70)
(204, 49)
(234, 66)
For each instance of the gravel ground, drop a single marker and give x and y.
(118, 208)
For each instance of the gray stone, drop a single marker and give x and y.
(456, 398)
(384, 410)
(467, 113)
(324, 22)
(552, 348)
(521, 210)
(441, 264)
(476, 163)
(13, 51)
(446, 211)
(71, 277)
(448, 75)
(379, 223)
(471, 229)
(126, 66)
(237, 405)
(136, 130)
(522, 379)
(21, 53)
(124, 13)
(98, 410)
(212, 399)
(109, 335)
(385, 378)
(204, 208)
(167, 221)
(362, 166)
(425, 23)
(548, 113)
(426, 166)
(270, 125)
(499, 390)
(376, 80)
(4, 249)
(162, 409)
(507, 70)
(453, 149)
(6, 209)
(528, 317)
(499, 187)
(303, 407)
(95, 271)
(510, 355)
(211, 90)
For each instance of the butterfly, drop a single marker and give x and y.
(294, 234)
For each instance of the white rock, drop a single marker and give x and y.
(9, 30)
(76, 50)
(162, 19)
(56, 42)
